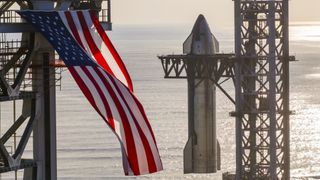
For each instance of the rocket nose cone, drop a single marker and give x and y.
(200, 20)
(201, 27)
(201, 40)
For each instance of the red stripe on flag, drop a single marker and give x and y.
(94, 49)
(141, 109)
(113, 51)
(150, 159)
(103, 98)
(132, 153)
(82, 86)
(85, 90)
(73, 28)
(142, 112)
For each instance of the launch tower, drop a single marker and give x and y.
(262, 89)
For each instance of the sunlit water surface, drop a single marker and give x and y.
(88, 150)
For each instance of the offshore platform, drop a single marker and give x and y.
(29, 74)
(259, 70)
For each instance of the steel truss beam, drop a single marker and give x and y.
(5, 5)
(14, 162)
(177, 66)
(24, 53)
(219, 66)
(262, 89)
(15, 60)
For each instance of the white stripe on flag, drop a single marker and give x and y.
(113, 107)
(83, 40)
(141, 154)
(94, 92)
(142, 122)
(65, 22)
(104, 49)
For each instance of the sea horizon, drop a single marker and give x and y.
(87, 149)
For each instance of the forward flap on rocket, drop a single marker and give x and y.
(215, 43)
(187, 44)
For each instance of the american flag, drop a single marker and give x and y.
(100, 73)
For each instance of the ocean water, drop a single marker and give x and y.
(87, 149)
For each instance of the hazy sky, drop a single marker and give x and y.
(217, 12)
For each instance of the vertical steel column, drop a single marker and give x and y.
(271, 58)
(238, 95)
(44, 84)
(45, 128)
(109, 11)
(249, 77)
(286, 87)
(49, 125)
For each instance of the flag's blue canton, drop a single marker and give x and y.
(51, 25)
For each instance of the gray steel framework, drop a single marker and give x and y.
(15, 162)
(16, 59)
(262, 89)
(219, 66)
(260, 71)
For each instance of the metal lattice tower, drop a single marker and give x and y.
(262, 89)
(28, 72)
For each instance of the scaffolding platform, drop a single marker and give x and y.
(218, 65)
